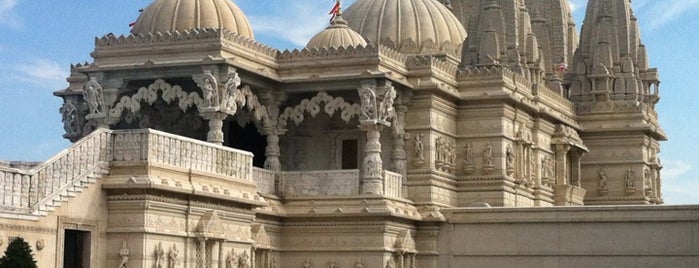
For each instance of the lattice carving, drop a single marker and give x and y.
(313, 107)
(149, 95)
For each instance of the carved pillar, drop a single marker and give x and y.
(221, 259)
(215, 255)
(215, 134)
(253, 257)
(562, 164)
(376, 112)
(272, 151)
(399, 156)
(372, 175)
(201, 256)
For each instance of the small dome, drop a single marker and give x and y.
(169, 15)
(337, 35)
(421, 21)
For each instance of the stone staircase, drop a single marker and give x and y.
(31, 194)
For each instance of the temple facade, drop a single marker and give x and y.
(391, 140)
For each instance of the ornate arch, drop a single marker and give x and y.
(149, 95)
(313, 107)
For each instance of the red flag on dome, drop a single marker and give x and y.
(336, 10)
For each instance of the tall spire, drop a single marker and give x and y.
(611, 62)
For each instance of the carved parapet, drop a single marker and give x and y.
(179, 37)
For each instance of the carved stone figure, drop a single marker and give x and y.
(124, 254)
(94, 96)
(172, 256)
(468, 156)
(488, 155)
(510, 156)
(419, 148)
(69, 113)
(244, 260)
(208, 88)
(307, 264)
(359, 264)
(159, 255)
(232, 259)
(629, 179)
(368, 101)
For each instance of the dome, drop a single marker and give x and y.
(180, 15)
(337, 35)
(422, 21)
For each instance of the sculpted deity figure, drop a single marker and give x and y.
(159, 255)
(628, 179)
(368, 101)
(232, 259)
(244, 260)
(510, 156)
(488, 155)
(307, 264)
(209, 91)
(359, 264)
(469, 152)
(172, 256)
(94, 96)
(70, 117)
(419, 148)
(124, 254)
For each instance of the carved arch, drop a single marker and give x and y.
(150, 94)
(312, 106)
(244, 98)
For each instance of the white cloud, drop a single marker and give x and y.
(674, 169)
(664, 11)
(42, 72)
(8, 16)
(679, 189)
(288, 25)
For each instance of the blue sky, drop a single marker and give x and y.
(40, 39)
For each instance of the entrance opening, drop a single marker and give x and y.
(349, 154)
(248, 139)
(76, 249)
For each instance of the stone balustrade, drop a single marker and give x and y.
(392, 184)
(24, 190)
(162, 148)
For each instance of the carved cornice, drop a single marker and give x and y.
(177, 38)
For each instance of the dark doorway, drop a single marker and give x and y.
(349, 154)
(248, 139)
(76, 249)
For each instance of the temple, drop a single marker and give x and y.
(408, 133)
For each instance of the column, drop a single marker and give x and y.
(215, 255)
(372, 171)
(201, 255)
(561, 164)
(399, 157)
(221, 258)
(215, 134)
(272, 151)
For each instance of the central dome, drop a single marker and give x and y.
(421, 21)
(170, 15)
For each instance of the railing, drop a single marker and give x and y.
(392, 184)
(167, 149)
(26, 189)
(23, 189)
